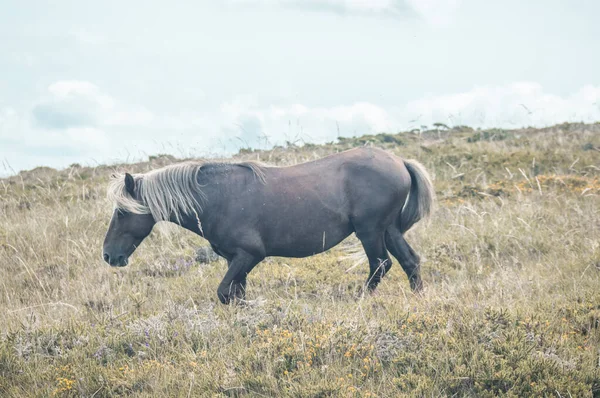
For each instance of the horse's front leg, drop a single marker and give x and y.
(233, 285)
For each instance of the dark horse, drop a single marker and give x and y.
(248, 211)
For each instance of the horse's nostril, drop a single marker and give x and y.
(106, 257)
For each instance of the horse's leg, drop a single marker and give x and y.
(233, 285)
(406, 256)
(379, 260)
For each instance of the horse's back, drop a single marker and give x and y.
(357, 178)
(363, 185)
(354, 161)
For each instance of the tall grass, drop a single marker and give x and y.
(511, 304)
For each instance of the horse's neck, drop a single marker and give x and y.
(191, 223)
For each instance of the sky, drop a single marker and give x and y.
(102, 82)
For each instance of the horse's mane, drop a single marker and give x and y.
(170, 190)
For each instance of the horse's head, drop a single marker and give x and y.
(129, 225)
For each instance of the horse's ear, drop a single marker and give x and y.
(129, 184)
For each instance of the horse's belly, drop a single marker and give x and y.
(304, 218)
(306, 247)
(306, 240)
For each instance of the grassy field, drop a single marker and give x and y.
(511, 304)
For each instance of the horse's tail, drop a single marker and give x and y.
(420, 200)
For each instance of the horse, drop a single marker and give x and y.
(249, 211)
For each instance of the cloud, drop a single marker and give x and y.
(68, 88)
(118, 130)
(512, 105)
(75, 141)
(86, 37)
(8, 118)
(345, 7)
(18, 134)
(77, 104)
(274, 124)
(436, 12)
(73, 120)
(60, 116)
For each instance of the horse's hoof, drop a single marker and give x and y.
(416, 285)
(232, 299)
(224, 299)
(418, 291)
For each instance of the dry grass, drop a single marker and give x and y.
(511, 304)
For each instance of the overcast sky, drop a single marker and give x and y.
(96, 82)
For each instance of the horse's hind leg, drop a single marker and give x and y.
(379, 260)
(406, 256)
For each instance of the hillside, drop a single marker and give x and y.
(511, 303)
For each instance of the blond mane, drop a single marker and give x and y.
(170, 190)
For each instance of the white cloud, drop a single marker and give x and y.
(86, 37)
(74, 103)
(437, 12)
(67, 88)
(512, 105)
(74, 120)
(17, 134)
(353, 7)
(74, 140)
(7, 116)
(245, 118)
(119, 129)
(88, 136)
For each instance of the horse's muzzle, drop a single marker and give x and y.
(115, 261)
